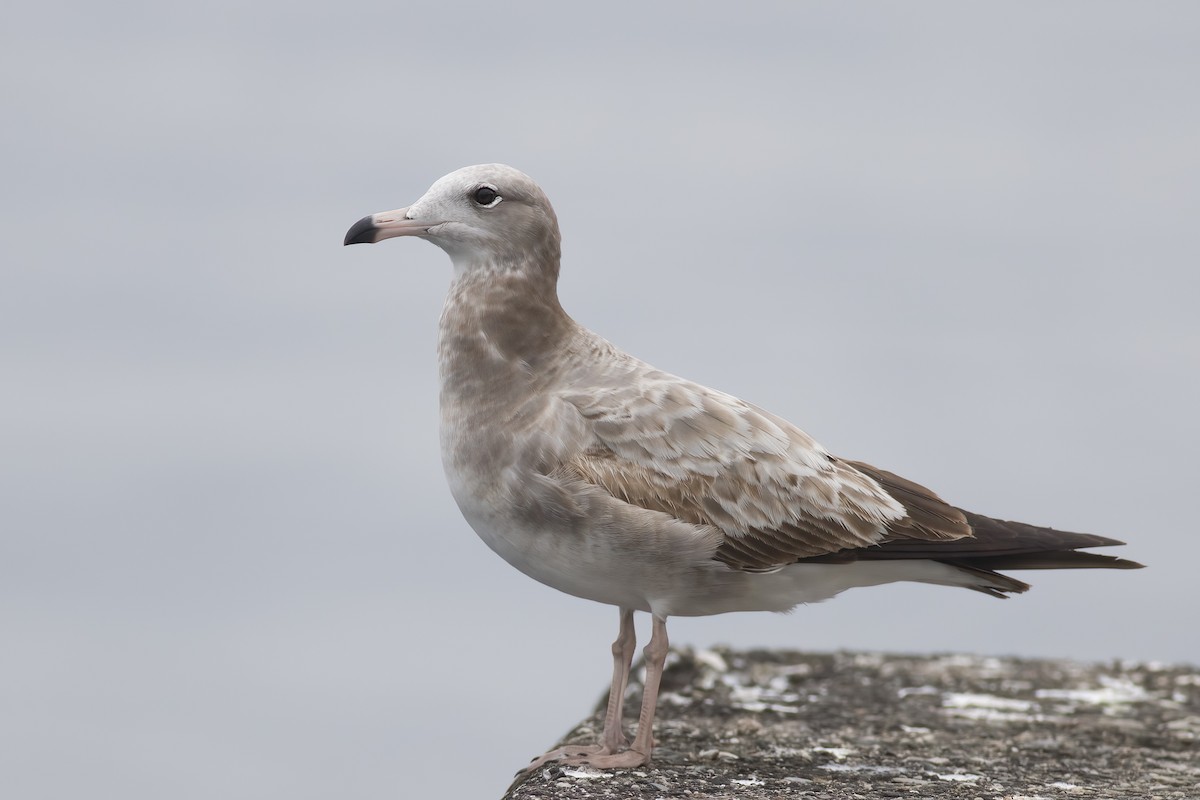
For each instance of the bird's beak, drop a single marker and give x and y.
(384, 225)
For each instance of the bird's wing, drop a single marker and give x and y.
(708, 458)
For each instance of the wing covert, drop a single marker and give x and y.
(708, 458)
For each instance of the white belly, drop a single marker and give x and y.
(570, 561)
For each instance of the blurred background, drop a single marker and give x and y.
(957, 241)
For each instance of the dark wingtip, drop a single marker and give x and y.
(1123, 563)
(361, 232)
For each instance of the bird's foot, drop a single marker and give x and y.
(622, 760)
(563, 754)
(595, 756)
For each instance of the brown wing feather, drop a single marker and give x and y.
(991, 544)
(929, 516)
(691, 498)
(705, 457)
(778, 497)
(1002, 544)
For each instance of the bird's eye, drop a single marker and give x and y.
(485, 196)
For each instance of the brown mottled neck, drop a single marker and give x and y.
(501, 327)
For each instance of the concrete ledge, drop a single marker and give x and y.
(769, 724)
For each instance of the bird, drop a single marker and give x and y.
(601, 476)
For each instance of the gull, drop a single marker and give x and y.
(603, 477)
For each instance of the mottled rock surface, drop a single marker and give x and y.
(770, 724)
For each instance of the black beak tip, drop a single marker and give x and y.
(361, 232)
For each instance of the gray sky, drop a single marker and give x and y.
(956, 241)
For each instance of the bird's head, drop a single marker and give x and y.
(488, 215)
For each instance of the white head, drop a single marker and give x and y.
(488, 215)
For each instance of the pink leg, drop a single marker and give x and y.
(622, 650)
(643, 744)
(613, 738)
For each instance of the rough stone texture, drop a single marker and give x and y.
(768, 724)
